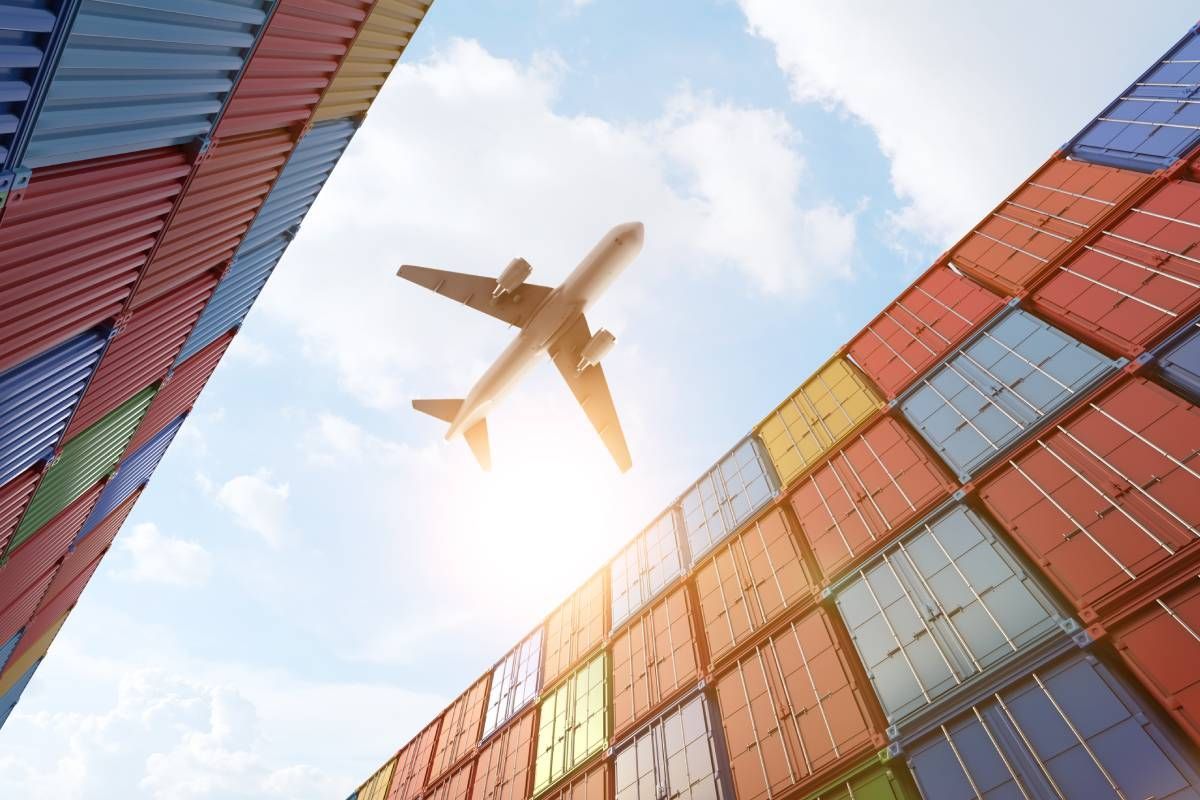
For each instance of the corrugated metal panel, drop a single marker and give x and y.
(293, 64)
(55, 606)
(1154, 121)
(179, 392)
(1070, 731)
(22, 610)
(654, 658)
(9, 700)
(14, 496)
(72, 248)
(937, 312)
(85, 460)
(461, 726)
(456, 786)
(140, 74)
(504, 769)
(1036, 224)
(29, 651)
(1179, 360)
(1107, 498)
(6, 650)
(876, 779)
(646, 566)
(514, 682)
(31, 31)
(412, 764)
(376, 787)
(222, 199)
(89, 548)
(749, 582)
(999, 386)
(946, 605)
(818, 415)
(676, 756)
(867, 493)
(728, 495)
(575, 628)
(792, 712)
(379, 46)
(142, 352)
(38, 397)
(591, 784)
(573, 722)
(293, 194)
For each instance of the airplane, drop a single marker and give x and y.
(550, 320)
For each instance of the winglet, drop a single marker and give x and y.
(477, 438)
(445, 410)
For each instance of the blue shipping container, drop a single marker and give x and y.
(7, 650)
(645, 567)
(1155, 121)
(38, 397)
(285, 208)
(727, 496)
(140, 74)
(133, 473)
(1179, 360)
(8, 700)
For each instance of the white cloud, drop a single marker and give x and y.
(158, 558)
(256, 504)
(249, 351)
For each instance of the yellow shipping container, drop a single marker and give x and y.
(376, 788)
(573, 723)
(16, 669)
(818, 415)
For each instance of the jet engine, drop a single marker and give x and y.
(512, 277)
(597, 348)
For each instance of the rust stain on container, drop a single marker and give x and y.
(462, 724)
(575, 628)
(504, 769)
(412, 764)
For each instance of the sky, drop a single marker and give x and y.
(313, 573)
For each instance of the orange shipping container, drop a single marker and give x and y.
(456, 786)
(461, 728)
(412, 764)
(590, 785)
(504, 768)
(575, 628)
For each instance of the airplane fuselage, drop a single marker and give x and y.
(557, 312)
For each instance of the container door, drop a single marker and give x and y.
(1180, 363)
(690, 753)
(675, 663)
(633, 661)
(760, 761)
(553, 720)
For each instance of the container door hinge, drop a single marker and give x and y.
(13, 183)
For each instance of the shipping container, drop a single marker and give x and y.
(591, 784)
(462, 724)
(372, 57)
(1179, 360)
(749, 582)
(84, 460)
(412, 764)
(22, 610)
(1135, 280)
(6, 649)
(14, 497)
(1108, 499)
(504, 768)
(53, 610)
(9, 700)
(936, 313)
(455, 786)
(729, 494)
(645, 567)
(1005, 382)
(878, 778)
(944, 613)
(824, 410)
(655, 658)
(1072, 730)
(30, 34)
(29, 652)
(514, 682)
(38, 397)
(142, 74)
(142, 351)
(179, 390)
(573, 723)
(222, 198)
(1153, 122)
(376, 787)
(294, 62)
(1026, 234)
(866, 493)
(276, 224)
(793, 713)
(678, 755)
(575, 628)
(72, 248)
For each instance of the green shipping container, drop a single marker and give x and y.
(85, 459)
(573, 723)
(877, 779)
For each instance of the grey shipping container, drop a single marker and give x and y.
(998, 387)
(678, 755)
(1071, 731)
(1179, 360)
(646, 566)
(514, 682)
(945, 613)
(741, 483)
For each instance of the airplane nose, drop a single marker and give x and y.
(632, 232)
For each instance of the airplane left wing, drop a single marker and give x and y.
(591, 390)
(476, 292)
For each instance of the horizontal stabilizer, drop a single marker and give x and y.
(445, 410)
(477, 438)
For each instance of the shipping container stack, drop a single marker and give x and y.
(961, 560)
(155, 162)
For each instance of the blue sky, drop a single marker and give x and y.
(313, 573)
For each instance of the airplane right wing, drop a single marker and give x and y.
(476, 292)
(591, 390)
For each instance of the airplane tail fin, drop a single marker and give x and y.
(445, 410)
(476, 435)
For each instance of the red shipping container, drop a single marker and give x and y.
(1036, 224)
(294, 62)
(750, 581)
(462, 725)
(654, 658)
(52, 610)
(71, 250)
(14, 496)
(1134, 282)
(1161, 643)
(575, 628)
(866, 494)
(91, 547)
(793, 713)
(504, 769)
(41, 554)
(456, 786)
(412, 764)
(142, 352)
(591, 785)
(224, 195)
(1108, 499)
(180, 391)
(23, 609)
(936, 313)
